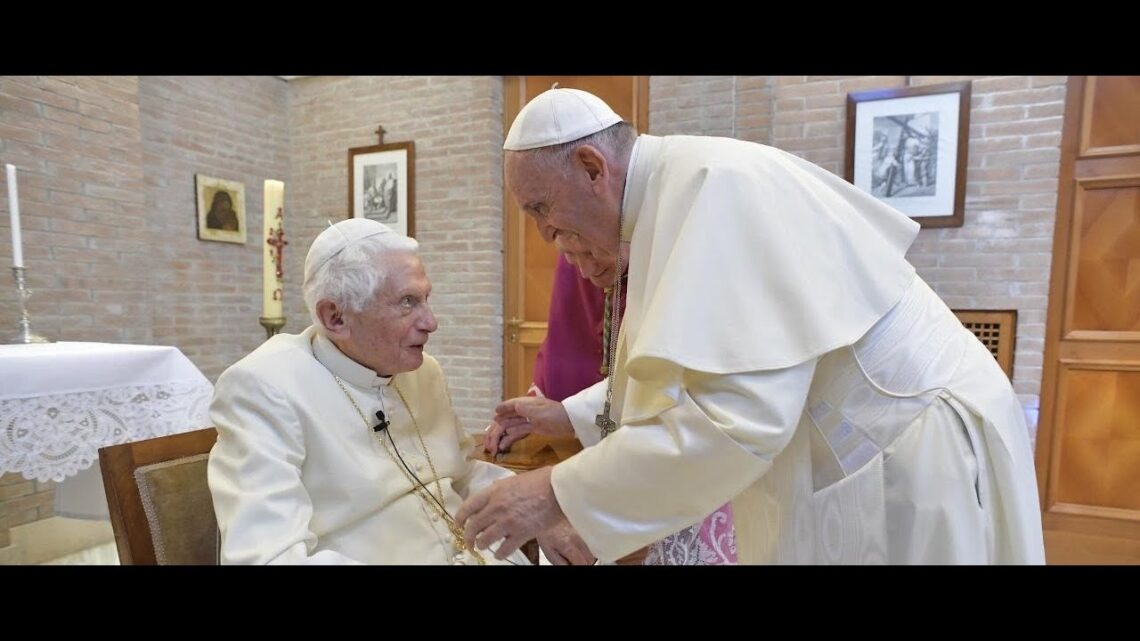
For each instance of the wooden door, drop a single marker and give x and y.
(1088, 441)
(528, 271)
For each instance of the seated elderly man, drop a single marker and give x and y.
(339, 445)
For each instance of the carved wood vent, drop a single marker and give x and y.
(996, 329)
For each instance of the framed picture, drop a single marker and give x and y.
(221, 209)
(381, 185)
(907, 147)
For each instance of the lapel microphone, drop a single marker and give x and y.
(382, 425)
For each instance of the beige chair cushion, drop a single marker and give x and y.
(179, 510)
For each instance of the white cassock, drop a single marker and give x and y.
(778, 350)
(297, 477)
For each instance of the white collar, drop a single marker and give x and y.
(344, 367)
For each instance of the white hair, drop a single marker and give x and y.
(352, 277)
(614, 141)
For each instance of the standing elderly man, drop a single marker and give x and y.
(777, 350)
(339, 444)
(572, 358)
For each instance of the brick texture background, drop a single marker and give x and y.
(107, 196)
(1000, 257)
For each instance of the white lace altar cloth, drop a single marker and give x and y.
(61, 402)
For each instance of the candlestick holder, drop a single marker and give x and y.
(272, 325)
(25, 334)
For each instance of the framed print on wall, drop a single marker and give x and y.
(907, 147)
(221, 209)
(381, 185)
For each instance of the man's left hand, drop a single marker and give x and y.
(562, 545)
(515, 509)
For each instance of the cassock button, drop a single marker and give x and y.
(459, 560)
(435, 518)
(419, 467)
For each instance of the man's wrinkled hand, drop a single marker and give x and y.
(514, 509)
(518, 417)
(562, 545)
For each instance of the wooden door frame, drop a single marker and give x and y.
(514, 90)
(1058, 270)
(1068, 349)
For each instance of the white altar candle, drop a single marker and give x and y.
(14, 212)
(274, 286)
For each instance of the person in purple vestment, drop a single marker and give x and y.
(572, 358)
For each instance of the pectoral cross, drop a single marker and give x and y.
(604, 422)
(277, 240)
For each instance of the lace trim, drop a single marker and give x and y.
(56, 436)
(710, 542)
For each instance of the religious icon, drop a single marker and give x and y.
(221, 209)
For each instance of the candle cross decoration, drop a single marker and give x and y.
(277, 240)
(273, 270)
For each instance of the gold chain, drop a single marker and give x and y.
(424, 496)
(605, 423)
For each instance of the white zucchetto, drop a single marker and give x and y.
(559, 116)
(333, 240)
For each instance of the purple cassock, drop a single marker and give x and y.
(570, 360)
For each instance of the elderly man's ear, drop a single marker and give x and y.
(592, 160)
(332, 318)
